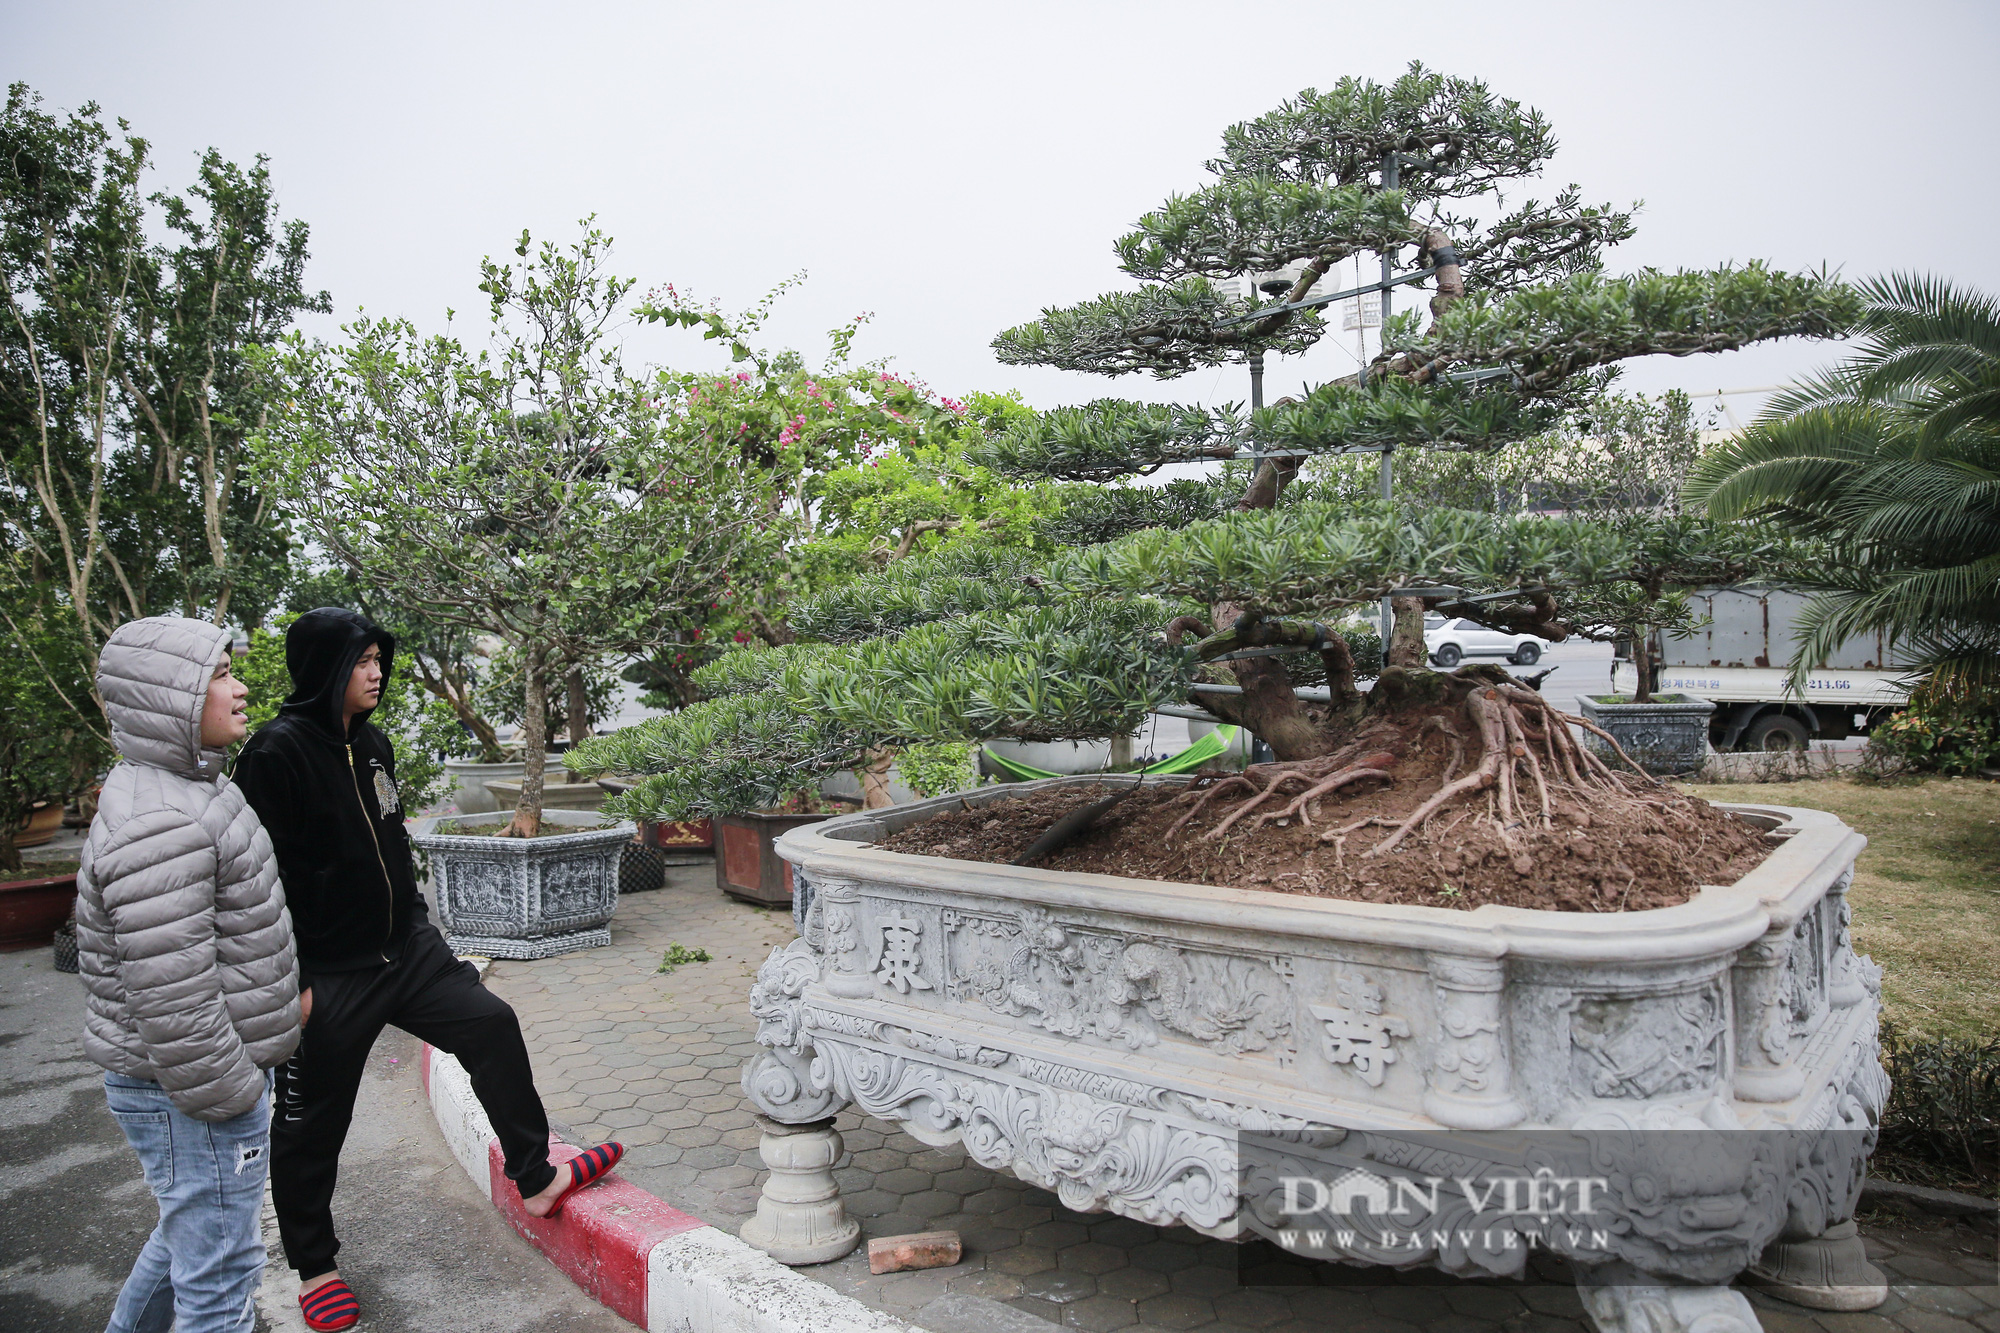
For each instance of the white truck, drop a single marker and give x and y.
(1739, 661)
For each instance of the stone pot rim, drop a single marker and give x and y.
(1663, 703)
(597, 833)
(1816, 849)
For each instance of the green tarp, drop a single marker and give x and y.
(1208, 747)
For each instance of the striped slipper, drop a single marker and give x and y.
(587, 1168)
(330, 1307)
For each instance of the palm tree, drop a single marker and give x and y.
(1891, 458)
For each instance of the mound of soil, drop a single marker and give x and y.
(1652, 849)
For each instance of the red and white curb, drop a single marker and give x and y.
(665, 1270)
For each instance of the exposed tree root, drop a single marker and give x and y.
(1528, 764)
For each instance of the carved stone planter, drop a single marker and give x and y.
(1666, 736)
(1174, 1052)
(524, 897)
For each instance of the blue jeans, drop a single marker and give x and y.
(203, 1262)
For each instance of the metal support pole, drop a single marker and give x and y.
(1388, 493)
(1391, 175)
(1256, 401)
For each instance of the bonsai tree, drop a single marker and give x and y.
(1522, 330)
(533, 490)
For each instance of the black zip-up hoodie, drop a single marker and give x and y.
(329, 802)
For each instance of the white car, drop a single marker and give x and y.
(1450, 642)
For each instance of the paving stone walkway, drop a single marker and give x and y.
(622, 1051)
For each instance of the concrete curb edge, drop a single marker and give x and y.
(1924, 1200)
(665, 1270)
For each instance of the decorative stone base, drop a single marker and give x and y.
(1829, 1272)
(800, 1219)
(548, 946)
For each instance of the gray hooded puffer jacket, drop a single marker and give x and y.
(181, 930)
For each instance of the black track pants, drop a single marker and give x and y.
(434, 997)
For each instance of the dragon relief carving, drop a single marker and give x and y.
(1649, 1046)
(1805, 969)
(783, 1080)
(1083, 983)
(774, 995)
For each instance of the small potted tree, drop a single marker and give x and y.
(1671, 556)
(534, 491)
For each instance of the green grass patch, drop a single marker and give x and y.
(677, 955)
(1926, 893)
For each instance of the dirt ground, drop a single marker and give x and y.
(1653, 850)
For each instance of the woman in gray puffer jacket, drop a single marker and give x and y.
(186, 948)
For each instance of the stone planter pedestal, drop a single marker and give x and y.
(524, 897)
(1666, 737)
(800, 1219)
(1177, 1052)
(470, 794)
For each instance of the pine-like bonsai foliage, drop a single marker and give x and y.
(1521, 329)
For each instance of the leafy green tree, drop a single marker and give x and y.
(921, 496)
(72, 250)
(1891, 458)
(1523, 331)
(127, 389)
(52, 738)
(534, 490)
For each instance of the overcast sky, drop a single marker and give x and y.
(953, 168)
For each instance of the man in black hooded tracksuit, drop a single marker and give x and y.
(323, 780)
